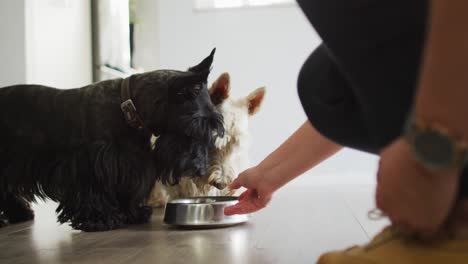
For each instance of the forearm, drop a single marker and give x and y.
(442, 97)
(299, 153)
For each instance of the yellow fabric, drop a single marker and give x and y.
(390, 247)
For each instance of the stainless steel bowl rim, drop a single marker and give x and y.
(214, 200)
(202, 211)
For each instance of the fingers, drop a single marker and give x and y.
(245, 195)
(249, 202)
(243, 207)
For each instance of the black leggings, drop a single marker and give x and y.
(358, 86)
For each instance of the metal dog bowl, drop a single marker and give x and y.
(202, 212)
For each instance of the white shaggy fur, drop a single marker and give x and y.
(231, 155)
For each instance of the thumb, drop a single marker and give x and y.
(236, 184)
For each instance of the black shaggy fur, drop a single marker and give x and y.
(74, 146)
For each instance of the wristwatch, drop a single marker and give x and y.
(433, 146)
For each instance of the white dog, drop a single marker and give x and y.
(231, 154)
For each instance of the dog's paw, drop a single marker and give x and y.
(221, 142)
(218, 179)
(143, 215)
(3, 220)
(157, 200)
(23, 215)
(158, 203)
(100, 225)
(220, 185)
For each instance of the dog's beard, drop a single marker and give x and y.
(176, 156)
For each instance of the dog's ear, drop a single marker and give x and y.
(205, 65)
(255, 99)
(219, 90)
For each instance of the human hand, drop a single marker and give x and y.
(416, 199)
(258, 194)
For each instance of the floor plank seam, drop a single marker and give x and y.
(354, 216)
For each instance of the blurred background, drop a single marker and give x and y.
(72, 43)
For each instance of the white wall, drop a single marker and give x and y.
(259, 46)
(146, 35)
(45, 42)
(59, 42)
(12, 44)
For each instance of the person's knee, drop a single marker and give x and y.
(322, 90)
(323, 115)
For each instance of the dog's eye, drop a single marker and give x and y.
(194, 91)
(190, 92)
(197, 89)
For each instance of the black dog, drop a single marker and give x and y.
(89, 148)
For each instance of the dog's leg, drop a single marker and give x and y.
(94, 220)
(112, 192)
(3, 220)
(220, 175)
(216, 176)
(91, 213)
(159, 195)
(139, 215)
(16, 209)
(136, 210)
(103, 214)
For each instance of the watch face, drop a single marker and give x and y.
(434, 149)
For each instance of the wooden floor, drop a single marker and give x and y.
(299, 224)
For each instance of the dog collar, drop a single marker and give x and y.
(128, 107)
